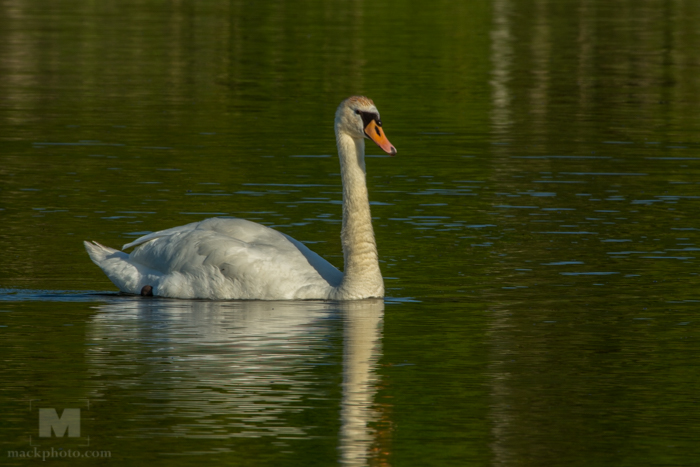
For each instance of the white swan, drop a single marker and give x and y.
(227, 258)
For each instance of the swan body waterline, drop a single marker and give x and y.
(228, 258)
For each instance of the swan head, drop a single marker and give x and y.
(358, 117)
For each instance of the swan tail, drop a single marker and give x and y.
(99, 253)
(118, 267)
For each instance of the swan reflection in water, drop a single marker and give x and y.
(246, 369)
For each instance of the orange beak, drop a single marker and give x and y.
(376, 134)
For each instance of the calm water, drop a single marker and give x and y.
(539, 230)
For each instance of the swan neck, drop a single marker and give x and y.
(362, 277)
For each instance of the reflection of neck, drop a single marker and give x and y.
(361, 350)
(362, 277)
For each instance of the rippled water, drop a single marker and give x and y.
(538, 230)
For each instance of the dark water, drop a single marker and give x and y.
(538, 230)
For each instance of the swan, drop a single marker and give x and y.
(229, 258)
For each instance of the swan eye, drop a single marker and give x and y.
(358, 112)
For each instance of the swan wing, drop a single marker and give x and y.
(161, 233)
(226, 258)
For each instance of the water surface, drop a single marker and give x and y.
(538, 230)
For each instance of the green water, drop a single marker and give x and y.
(538, 230)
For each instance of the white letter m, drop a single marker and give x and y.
(70, 420)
